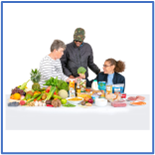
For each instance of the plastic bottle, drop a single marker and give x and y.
(71, 88)
(94, 85)
(78, 89)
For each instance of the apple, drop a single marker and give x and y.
(90, 100)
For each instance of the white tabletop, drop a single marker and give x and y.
(79, 118)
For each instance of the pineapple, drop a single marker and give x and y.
(35, 78)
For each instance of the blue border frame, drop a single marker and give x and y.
(2, 77)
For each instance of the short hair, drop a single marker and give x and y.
(57, 44)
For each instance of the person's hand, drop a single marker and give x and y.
(83, 76)
(78, 77)
(68, 80)
(75, 80)
(71, 77)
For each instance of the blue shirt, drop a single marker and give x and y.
(110, 79)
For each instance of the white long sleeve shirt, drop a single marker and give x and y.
(51, 68)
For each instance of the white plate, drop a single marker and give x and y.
(74, 102)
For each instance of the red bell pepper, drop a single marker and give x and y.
(48, 89)
(55, 93)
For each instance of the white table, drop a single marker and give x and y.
(78, 118)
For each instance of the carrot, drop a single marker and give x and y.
(138, 103)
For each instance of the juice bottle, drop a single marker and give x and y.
(78, 88)
(71, 84)
(71, 88)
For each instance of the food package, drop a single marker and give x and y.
(138, 103)
(123, 96)
(82, 84)
(102, 85)
(109, 89)
(121, 103)
(84, 95)
(100, 93)
(137, 98)
(113, 97)
(118, 88)
(94, 97)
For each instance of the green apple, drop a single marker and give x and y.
(63, 101)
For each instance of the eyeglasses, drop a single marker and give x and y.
(106, 66)
(78, 41)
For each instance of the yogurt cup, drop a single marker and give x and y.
(94, 97)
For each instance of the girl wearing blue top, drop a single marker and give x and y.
(110, 74)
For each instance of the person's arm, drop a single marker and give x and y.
(64, 60)
(91, 63)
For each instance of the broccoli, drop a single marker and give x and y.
(81, 70)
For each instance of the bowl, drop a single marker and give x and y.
(101, 102)
(74, 102)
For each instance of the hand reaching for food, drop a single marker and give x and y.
(82, 76)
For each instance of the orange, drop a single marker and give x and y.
(37, 92)
(11, 97)
(17, 96)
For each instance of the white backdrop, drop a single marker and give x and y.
(119, 31)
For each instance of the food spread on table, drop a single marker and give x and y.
(58, 93)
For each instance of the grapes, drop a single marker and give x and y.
(17, 90)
